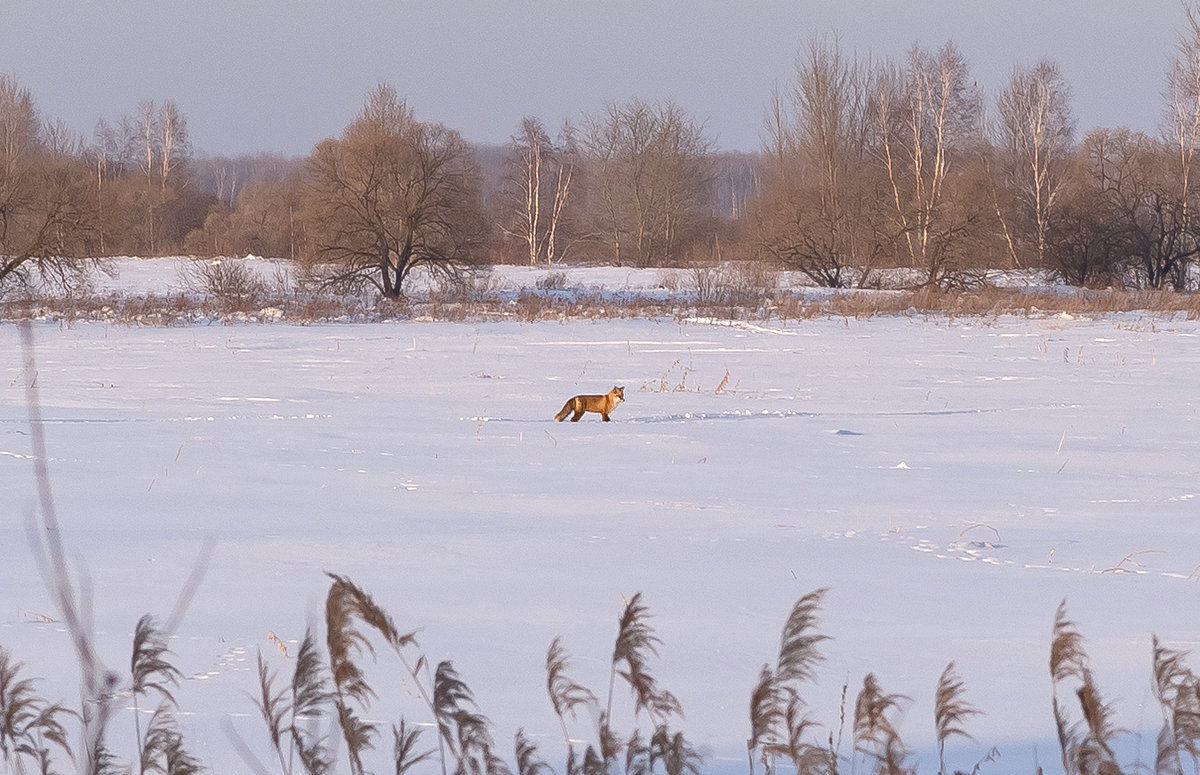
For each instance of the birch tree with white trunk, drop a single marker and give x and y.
(1036, 137)
(925, 113)
(1182, 119)
(539, 176)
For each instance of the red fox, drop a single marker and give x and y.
(602, 404)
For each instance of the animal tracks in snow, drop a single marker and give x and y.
(232, 659)
(992, 551)
(735, 414)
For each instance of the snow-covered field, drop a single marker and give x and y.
(951, 482)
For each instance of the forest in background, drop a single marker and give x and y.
(866, 165)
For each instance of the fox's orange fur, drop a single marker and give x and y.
(603, 404)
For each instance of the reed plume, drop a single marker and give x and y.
(528, 761)
(593, 763)
(1096, 755)
(635, 643)
(658, 703)
(1085, 745)
(450, 693)
(674, 752)
(345, 604)
(1066, 662)
(464, 729)
(798, 654)
(151, 671)
(28, 724)
(273, 707)
(637, 755)
(45, 730)
(875, 735)
(1068, 659)
(610, 745)
(284, 710)
(162, 751)
(565, 694)
(950, 711)
(635, 640)
(18, 705)
(766, 716)
(808, 758)
(404, 744)
(1177, 690)
(311, 695)
(778, 721)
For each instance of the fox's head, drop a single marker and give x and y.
(618, 393)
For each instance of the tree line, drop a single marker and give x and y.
(866, 165)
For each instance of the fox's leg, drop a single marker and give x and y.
(604, 416)
(578, 414)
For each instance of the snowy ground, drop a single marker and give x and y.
(951, 482)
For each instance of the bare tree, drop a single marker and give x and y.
(1182, 118)
(175, 146)
(267, 221)
(106, 155)
(142, 180)
(1136, 175)
(538, 180)
(45, 218)
(1086, 242)
(1035, 131)
(651, 167)
(817, 211)
(225, 176)
(391, 194)
(927, 114)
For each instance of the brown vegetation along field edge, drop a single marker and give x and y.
(527, 305)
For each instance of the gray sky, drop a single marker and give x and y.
(276, 75)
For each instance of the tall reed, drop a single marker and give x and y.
(779, 721)
(950, 711)
(1177, 690)
(29, 725)
(1086, 743)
